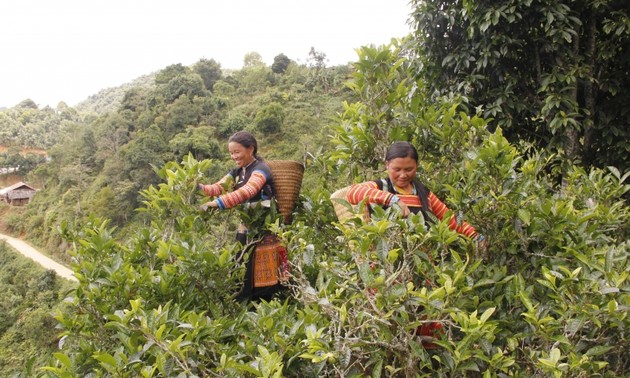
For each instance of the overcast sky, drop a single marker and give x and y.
(67, 50)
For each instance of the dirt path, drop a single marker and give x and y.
(35, 255)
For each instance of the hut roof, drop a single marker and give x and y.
(16, 186)
(18, 190)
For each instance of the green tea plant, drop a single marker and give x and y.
(548, 297)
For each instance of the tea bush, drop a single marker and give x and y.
(549, 296)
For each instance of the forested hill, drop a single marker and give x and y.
(103, 152)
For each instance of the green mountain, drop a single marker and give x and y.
(105, 151)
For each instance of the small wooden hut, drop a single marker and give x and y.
(17, 194)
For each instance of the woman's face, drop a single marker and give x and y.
(402, 171)
(241, 155)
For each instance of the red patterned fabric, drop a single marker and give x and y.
(439, 209)
(244, 193)
(251, 183)
(215, 189)
(370, 191)
(432, 330)
(270, 262)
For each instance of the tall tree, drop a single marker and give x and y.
(252, 59)
(280, 63)
(547, 71)
(198, 141)
(320, 76)
(189, 84)
(269, 119)
(210, 72)
(111, 131)
(28, 103)
(139, 156)
(317, 59)
(170, 72)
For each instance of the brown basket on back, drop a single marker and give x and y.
(287, 177)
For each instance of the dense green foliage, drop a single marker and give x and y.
(25, 125)
(19, 162)
(29, 296)
(549, 296)
(550, 72)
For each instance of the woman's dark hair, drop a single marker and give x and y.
(246, 140)
(401, 150)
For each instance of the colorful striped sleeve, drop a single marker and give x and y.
(254, 185)
(216, 189)
(370, 191)
(439, 209)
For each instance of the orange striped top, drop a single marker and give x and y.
(248, 185)
(370, 191)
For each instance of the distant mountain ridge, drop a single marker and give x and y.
(109, 99)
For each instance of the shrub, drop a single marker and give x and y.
(548, 298)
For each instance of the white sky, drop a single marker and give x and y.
(67, 50)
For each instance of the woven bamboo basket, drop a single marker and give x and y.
(287, 177)
(343, 209)
(340, 204)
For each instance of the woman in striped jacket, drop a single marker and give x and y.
(402, 188)
(251, 182)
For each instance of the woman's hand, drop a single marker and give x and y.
(211, 204)
(404, 209)
(396, 202)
